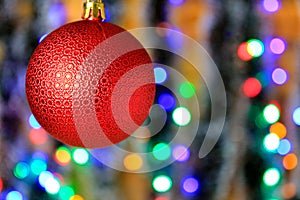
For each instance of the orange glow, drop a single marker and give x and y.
(279, 129)
(38, 136)
(76, 197)
(62, 156)
(288, 190)
(290, 161)
(133, 162)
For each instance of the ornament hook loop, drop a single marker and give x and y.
(93, 10)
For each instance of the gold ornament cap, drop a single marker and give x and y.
(93, 10)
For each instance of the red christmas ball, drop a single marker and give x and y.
(90, 84)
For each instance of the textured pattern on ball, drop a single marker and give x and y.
(53, 75)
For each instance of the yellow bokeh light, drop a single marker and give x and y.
(76, 197)
(62, 156)
(133, 162)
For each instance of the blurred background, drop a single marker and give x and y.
(254, 43)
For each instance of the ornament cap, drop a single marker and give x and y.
(93, 10)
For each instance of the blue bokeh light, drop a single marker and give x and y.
(14, 195)
(57, 14)
(284, 147)
(160, 75)
(296, 116)
(33, 122)
(167, 101)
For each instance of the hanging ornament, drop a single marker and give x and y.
(90, 83)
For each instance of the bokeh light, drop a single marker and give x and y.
(181, 116)
(14, 195)
(255, 48)
(21, 170)
(271, 142)
(252, 87)
(43, 177)
(296, 116)
(160, 75)
(63, 156)
(80, 156)
(167, 101)
(290, 161)
(284, 147)
(176, 2)
(57, 14)
(174, 38)
(133, 162)
(271, 177)
(40, 155)
(181, 153)
(279, 76)
(37, 166)
(263, 78)
(76, 197)
(161, 151)
(162, 28)
(288, 190)
(271, 113)
(161, 198)
(52, 185)
(271, 5)
(66, 192)
(38, 136)
(1, 185)
(187, 90)
(243, 53)
(162, 183)
(279, 129)
(190, 185)
(277, 46)
(33, 123)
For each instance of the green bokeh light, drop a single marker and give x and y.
(255, 47)
(271, 142)
(162, 183)
(37, 166)
(181, 116)
(187, 90)
(66, 192)
(21, 170)
(271, 177)
(161, 151)
(263, 78)
(80, 156)
(271, 113)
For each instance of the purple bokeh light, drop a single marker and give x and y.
(181, 153)
(176, 2)
(271, 5)
(277, 45)
(279, 76)
(190, 185)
